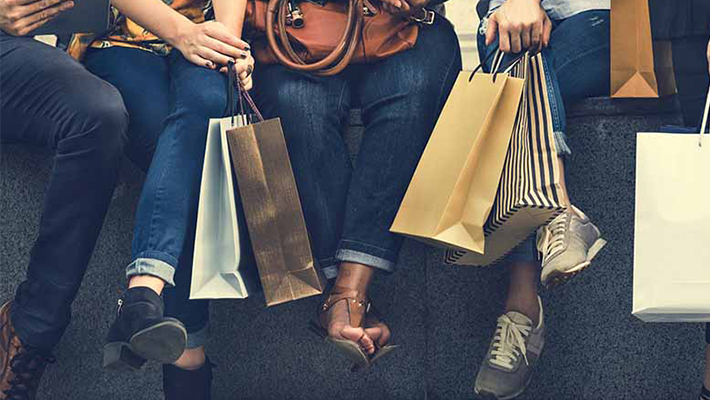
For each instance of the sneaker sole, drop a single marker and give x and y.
(164, 342)
(557, 278)
(486, 395)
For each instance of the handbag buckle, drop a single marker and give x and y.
(427, 17)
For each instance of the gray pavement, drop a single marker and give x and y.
(441, 316)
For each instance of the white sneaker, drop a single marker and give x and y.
(567, 244)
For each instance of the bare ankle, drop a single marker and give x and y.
(151, 282)
(354, 276)
(192, 359)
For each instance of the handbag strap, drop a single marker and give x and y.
(703, 127)
(339, 58)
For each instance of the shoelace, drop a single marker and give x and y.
(26, 367)
(553, 240)
(509, 342)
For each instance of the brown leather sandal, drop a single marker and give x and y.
(360, 313)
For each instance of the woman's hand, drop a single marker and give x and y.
(243, 68)
(520, 25)
(210, 44)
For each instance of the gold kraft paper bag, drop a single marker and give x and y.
(640, 66)
(530, 188)
(454, 186)
(273, 211)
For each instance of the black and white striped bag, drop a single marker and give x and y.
(529, 190)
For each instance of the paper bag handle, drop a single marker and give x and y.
(243, 96)
(497, 64)
(703, 127)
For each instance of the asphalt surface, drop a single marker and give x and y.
(442, 316)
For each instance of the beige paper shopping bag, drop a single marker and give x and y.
(467, 150)
(640, 66)
(671, 251)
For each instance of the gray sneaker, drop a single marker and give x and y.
(511, 358)
(567, 244)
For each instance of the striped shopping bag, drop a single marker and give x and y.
(529, 190)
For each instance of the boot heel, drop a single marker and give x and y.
(119, 357)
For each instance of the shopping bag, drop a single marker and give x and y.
(453, 188)
(640, 66)
(221, 270)
(529, 191)
(274, 216)
(672, 227)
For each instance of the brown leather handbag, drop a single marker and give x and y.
(325, 38)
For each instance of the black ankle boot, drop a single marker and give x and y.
(182, 384)
(141, 332)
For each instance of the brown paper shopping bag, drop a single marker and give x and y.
(273, 210)
(640, 66)
(453, 188)
(529, 191)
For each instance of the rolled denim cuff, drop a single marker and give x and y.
(159, 265)
(329, 267)
(561, 144)
(525, 252)
(345, 254)
(197, 338)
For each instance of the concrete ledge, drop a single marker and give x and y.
(442, 316)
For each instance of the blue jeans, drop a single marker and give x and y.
(577, 65)
(50, 100)
(349, 209)
(170, 102)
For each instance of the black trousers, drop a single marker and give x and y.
(48, 99)
(690, 64)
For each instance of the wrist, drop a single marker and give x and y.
(176, 36)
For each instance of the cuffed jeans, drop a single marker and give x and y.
(50, 100)
(577, 66)
(349, 209)
(170, 102)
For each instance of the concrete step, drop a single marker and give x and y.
(441, 316)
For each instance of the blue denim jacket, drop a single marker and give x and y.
(562, 9)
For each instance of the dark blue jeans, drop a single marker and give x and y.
(170, 102)
(50, 100)
(577, 66)
(349, 209)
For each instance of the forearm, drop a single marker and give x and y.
(155, 16)
(231, 14)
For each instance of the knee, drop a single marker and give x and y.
(101, 120)
(205, 104)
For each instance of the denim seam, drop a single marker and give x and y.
(443, 78)
(554, 107)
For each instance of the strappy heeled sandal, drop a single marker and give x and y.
(360, 313)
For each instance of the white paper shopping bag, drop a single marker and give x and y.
(672, 236)
(219, 269)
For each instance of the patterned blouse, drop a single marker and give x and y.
(126, 33)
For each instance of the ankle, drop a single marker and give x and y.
(526, 305)
(354, 277)
(192, 359)
(151, 282)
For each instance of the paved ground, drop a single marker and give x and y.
(441, 316)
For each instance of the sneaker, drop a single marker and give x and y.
(182, 384)
(704, 393)
(21, 366)
(141, 332)
(567, 244)
(511, 358)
